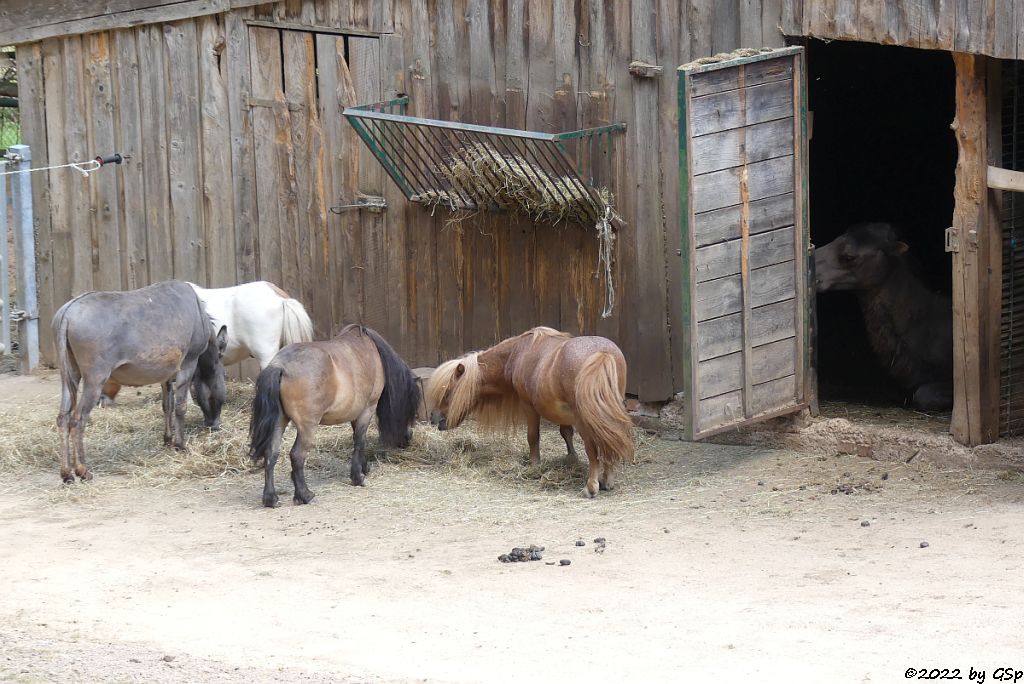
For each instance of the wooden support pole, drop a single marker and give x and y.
(976, 267)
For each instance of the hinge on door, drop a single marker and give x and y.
(952, 240)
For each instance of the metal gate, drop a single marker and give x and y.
(1011, 376)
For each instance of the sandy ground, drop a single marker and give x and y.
(722, 562)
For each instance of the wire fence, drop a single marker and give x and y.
(10, 127)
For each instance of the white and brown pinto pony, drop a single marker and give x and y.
(260, 317)
(574, 382)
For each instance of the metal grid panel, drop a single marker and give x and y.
(1011, 384)
(470, 167)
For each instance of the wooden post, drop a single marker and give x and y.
(977, 265)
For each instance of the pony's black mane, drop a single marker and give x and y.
(401, 396)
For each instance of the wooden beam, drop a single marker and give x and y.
(49, 25)
(975, 318)
(1005, 179)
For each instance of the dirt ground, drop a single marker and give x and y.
(721, 561)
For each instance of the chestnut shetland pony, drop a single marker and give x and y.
(342, 380)
(574, 382)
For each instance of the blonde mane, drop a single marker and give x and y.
(498, 412)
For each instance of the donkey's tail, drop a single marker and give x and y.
(60, 348)
(401, 396)
(600, 410)
(297, 326)
(266, 411)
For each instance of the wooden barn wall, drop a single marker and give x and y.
(987, 27)
(193, 201)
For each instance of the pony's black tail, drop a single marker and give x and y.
(397, 405)
(266, 411)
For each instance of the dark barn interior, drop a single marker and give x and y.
(881, 150)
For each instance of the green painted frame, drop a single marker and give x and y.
(803, 250)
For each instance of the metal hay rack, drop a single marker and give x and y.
(467, 167)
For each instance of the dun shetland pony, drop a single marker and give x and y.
(159, 333)
(910, 327)
(261, 318)
(571, 381)
(343, 380)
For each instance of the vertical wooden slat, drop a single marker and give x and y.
(750, 33)
(32, 117)
(846, 19)
(396, 256)
(364, 64)
(103, 187)
(217, 205)
(60, 198)
(135, 262)
(153, 109)
(520, 249)
(183, 154)
(76, 148)
(450, 256)
(793, 17)
(312, 285)
(670, 43)
(269, 139)
(649, 305)
(483, 308)
(243, 170)
(823, 17)
(975, 321)
(573, 240)
(725, 27)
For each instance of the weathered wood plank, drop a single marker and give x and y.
(269, 136)
(724, 224)
(723, 259)
(771, 20)
(775, 394)
(757, 73)
(823, 17)
(701, 21)
(243, 165)
(393, 81)
(104, 188)
(422, 267)
(750, 24)
(77, 147)
(769, 323)
(217, 208)
(725, 373)
(721, 111)
(725, 27)
(755, 143)
(61, 245)
(128, 86)
(768, 285)
(720, 410)
(160, 239)
(183, 155)
(722, 188)
(364, 65)
(72, 17)
(307, 163)
(485, 310)
(975, 417)
(971, 32)
(846, 19)
(650, 305)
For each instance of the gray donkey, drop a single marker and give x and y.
(156, 334)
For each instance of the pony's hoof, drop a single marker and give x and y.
(67, 478)
(300, 499)
(83, 473)
(606, 486)
(590, 491)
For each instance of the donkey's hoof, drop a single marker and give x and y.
(106, 402)
(299, 499)
(359, 481)
(214, 428)
(271, 501)
(67, 478)
(83, 473)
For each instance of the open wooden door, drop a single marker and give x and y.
(745, 247)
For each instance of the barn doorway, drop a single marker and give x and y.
(881, 150)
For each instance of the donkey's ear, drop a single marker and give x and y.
(459, 370)
(222, 338)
